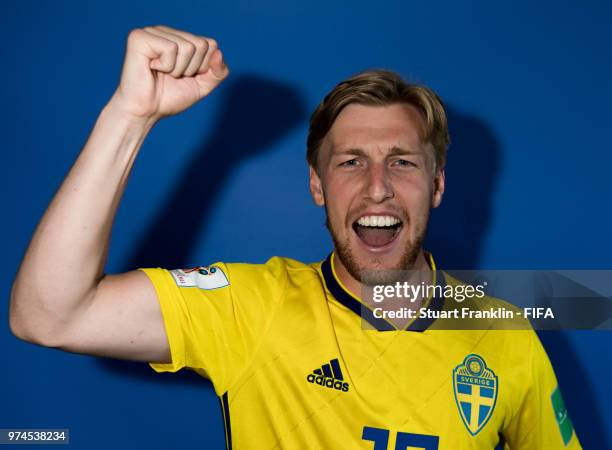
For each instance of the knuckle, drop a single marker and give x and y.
(135, 34)
(172, 47)
(201, 45)
(212, 44)
(189, 48)
(150, 30)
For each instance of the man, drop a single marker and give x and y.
(284, 343)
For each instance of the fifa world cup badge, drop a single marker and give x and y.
(206, 278)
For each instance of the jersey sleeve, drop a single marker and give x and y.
(215, 316)
(541, 421)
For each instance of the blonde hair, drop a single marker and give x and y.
(380, 88)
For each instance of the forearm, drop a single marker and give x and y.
(66, 257)
(60, 297)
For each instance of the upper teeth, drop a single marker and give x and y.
(378, 221)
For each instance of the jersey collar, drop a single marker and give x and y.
(352, 302)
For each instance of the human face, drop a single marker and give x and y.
(377, 183)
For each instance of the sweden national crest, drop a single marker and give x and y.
(475, 387)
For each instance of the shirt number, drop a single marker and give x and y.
(380, 437)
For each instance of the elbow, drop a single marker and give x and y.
(15, 327)
(16, 324)
(28, 326)
(26, 331)
(19, 328)
(19, 325)
(19, 331)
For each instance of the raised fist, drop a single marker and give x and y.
(165, 71)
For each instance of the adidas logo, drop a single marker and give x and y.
(330, 376)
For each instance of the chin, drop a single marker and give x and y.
(379, 262)
(371, 269)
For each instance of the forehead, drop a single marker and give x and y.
(364, 125)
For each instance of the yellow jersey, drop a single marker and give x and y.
(284, 346)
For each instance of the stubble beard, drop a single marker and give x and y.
(377, 275)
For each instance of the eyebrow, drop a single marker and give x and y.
(393, 151)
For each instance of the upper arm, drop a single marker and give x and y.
(215, 316)
(209, 319)
(122, 320)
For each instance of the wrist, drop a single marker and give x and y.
(117, 133)
(116, 110)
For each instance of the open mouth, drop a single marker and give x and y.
(377, 231)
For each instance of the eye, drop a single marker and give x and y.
(404, 163)
(350, 163)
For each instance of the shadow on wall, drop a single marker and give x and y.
(255, 112)
(458, 227)
(456, 235)
(577, 392)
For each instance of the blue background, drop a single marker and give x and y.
(528, 181)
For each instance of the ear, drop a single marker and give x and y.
(439, 184)
(316, 190)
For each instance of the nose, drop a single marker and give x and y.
(378, 187)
